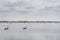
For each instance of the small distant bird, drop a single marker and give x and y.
(24, 27)
(6, 28)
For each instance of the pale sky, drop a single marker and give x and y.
(42, 10)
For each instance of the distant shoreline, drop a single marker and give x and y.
(29, 21)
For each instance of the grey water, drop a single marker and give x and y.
(33, 31)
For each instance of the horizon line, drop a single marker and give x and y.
(29, 21)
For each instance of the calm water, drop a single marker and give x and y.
(33, 31)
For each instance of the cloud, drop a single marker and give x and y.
(30, 9)
(13, 6)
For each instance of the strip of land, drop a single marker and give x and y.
(29, 21)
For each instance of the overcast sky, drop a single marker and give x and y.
(45, 10)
